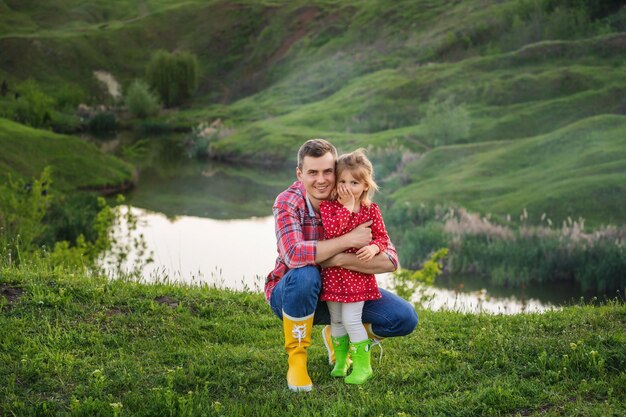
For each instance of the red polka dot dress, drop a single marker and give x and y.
(339, 284)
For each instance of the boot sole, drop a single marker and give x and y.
(305, 388)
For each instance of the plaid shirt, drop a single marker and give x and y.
(298, 228)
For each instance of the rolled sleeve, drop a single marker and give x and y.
(294, 250)
(392, 255)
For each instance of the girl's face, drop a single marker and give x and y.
(355, 186)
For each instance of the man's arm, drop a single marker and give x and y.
(377, 265)
(357, 238)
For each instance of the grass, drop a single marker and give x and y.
(78, 345)
(75, 163)
(573, 171)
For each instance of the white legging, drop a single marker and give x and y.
(345, 318)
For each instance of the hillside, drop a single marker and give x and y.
(75, 163)
(429, 79)
(580, 168)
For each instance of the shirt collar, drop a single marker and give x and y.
(309, 206)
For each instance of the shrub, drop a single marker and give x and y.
(173, 75)
(32, 107)
(140, 101)
(68, 97)
(22, 209)
(446, 122)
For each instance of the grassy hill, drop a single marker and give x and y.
(580, 168)
(75, 163)
(433, 78)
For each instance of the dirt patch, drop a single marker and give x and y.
(304, 16)
(113, 87)
(12, 294)
(117, 311)
(167, 300)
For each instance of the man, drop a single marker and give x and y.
(292, 288)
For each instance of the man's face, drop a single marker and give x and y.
(318, 177)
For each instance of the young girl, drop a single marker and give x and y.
(345, 291)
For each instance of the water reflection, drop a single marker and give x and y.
(235, 254)
(238, 254)
(478, 300)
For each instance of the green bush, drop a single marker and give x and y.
(68, 97)
(140, 101)
(173, 75)
(22, 208)
(446, 122)
(32, 107)
(65, 123)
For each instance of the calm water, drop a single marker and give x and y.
(207, 223)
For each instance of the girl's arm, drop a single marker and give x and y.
(335, 219)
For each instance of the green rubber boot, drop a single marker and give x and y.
(341, 346)
(361, 365)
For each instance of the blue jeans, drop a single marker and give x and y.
(297, 294)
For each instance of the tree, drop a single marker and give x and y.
(140, 101)
(173, 75)
(4, 89)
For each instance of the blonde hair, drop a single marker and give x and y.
(361, 168)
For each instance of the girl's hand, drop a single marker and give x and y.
(346, 198)
(367, 252)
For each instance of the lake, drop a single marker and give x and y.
(210, 223)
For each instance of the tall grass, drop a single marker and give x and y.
(512, 253)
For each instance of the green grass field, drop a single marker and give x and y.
(77, 345)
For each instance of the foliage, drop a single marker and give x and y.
(107, 252)
(68, 97)
(446, 122)
(173, 75)
(23, 206)
(409, 284)
(33, 107)
(509, 255)
(140, 101)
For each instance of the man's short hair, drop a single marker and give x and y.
(315, 148)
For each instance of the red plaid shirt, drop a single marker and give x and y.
(298, 228)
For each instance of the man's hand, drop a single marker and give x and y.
(367, 252)
(361, 235)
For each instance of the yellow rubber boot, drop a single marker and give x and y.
(297, 340)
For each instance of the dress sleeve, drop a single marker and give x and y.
(380, 237)
(292, 248)
(335, 219)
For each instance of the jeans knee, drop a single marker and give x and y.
(408, 320)
(307, 279)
